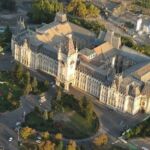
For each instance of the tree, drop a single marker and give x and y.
(9, 96)
(44, 10)
(27, 79)
(34, 84)
(145, 3)
(46, 84)
(101, 140)
(59, 93)
(59, 146)
(19, 71)
(45, 135)
(71, 145)
(45, 115)
(8, 4)
(47, 145)
(89, 111)
(28, 89)
(93, 11)
(58, 136)
(81, 10)
(26, 132)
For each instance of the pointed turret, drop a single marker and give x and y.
(70, 48)
(20, 25)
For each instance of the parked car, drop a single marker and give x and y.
(38, 141)
(10, 139)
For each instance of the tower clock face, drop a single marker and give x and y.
(72, 63)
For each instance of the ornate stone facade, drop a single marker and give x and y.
(117, 76)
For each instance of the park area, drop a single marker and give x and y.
(71, 124)
(10, 92)
(67, 117)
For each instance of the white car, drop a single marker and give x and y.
(38, 141)
(144, 148)
(39, 138)
(53, 86)
(18, 123)
(10, 139)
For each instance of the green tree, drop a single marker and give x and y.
(44, 10)
(8, 4)
(89, 111)
(46, 84)
(9, 96)
(59, 146)
(82, 10)
(86, 108)
(45, 115)
(45, 135)
(28, 89)
(19, 71)
(58, 136)
(34, 84)
(27, 79)
(93, 11)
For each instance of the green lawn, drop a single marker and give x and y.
(79, 127)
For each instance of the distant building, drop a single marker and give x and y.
(118, 77)
(146, 27)
(143, 26)
(139, 24)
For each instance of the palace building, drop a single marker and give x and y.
(116, 75)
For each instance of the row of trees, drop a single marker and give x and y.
(49, 142)
(82, 9)
(5, 39)
(145, 49)
(28, 83)
(8, 4)
(141, 130)
(93, 26)
(144, 3)
(44, 10)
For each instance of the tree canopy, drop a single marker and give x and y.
(82, 9)
(5, 39)
(144, 3)
(44, 10)
(8, 4)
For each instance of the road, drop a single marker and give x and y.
(113, 122)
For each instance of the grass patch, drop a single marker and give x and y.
(79, 127)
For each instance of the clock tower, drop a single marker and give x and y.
(67, 59)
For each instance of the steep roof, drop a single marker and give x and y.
(103, 48)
